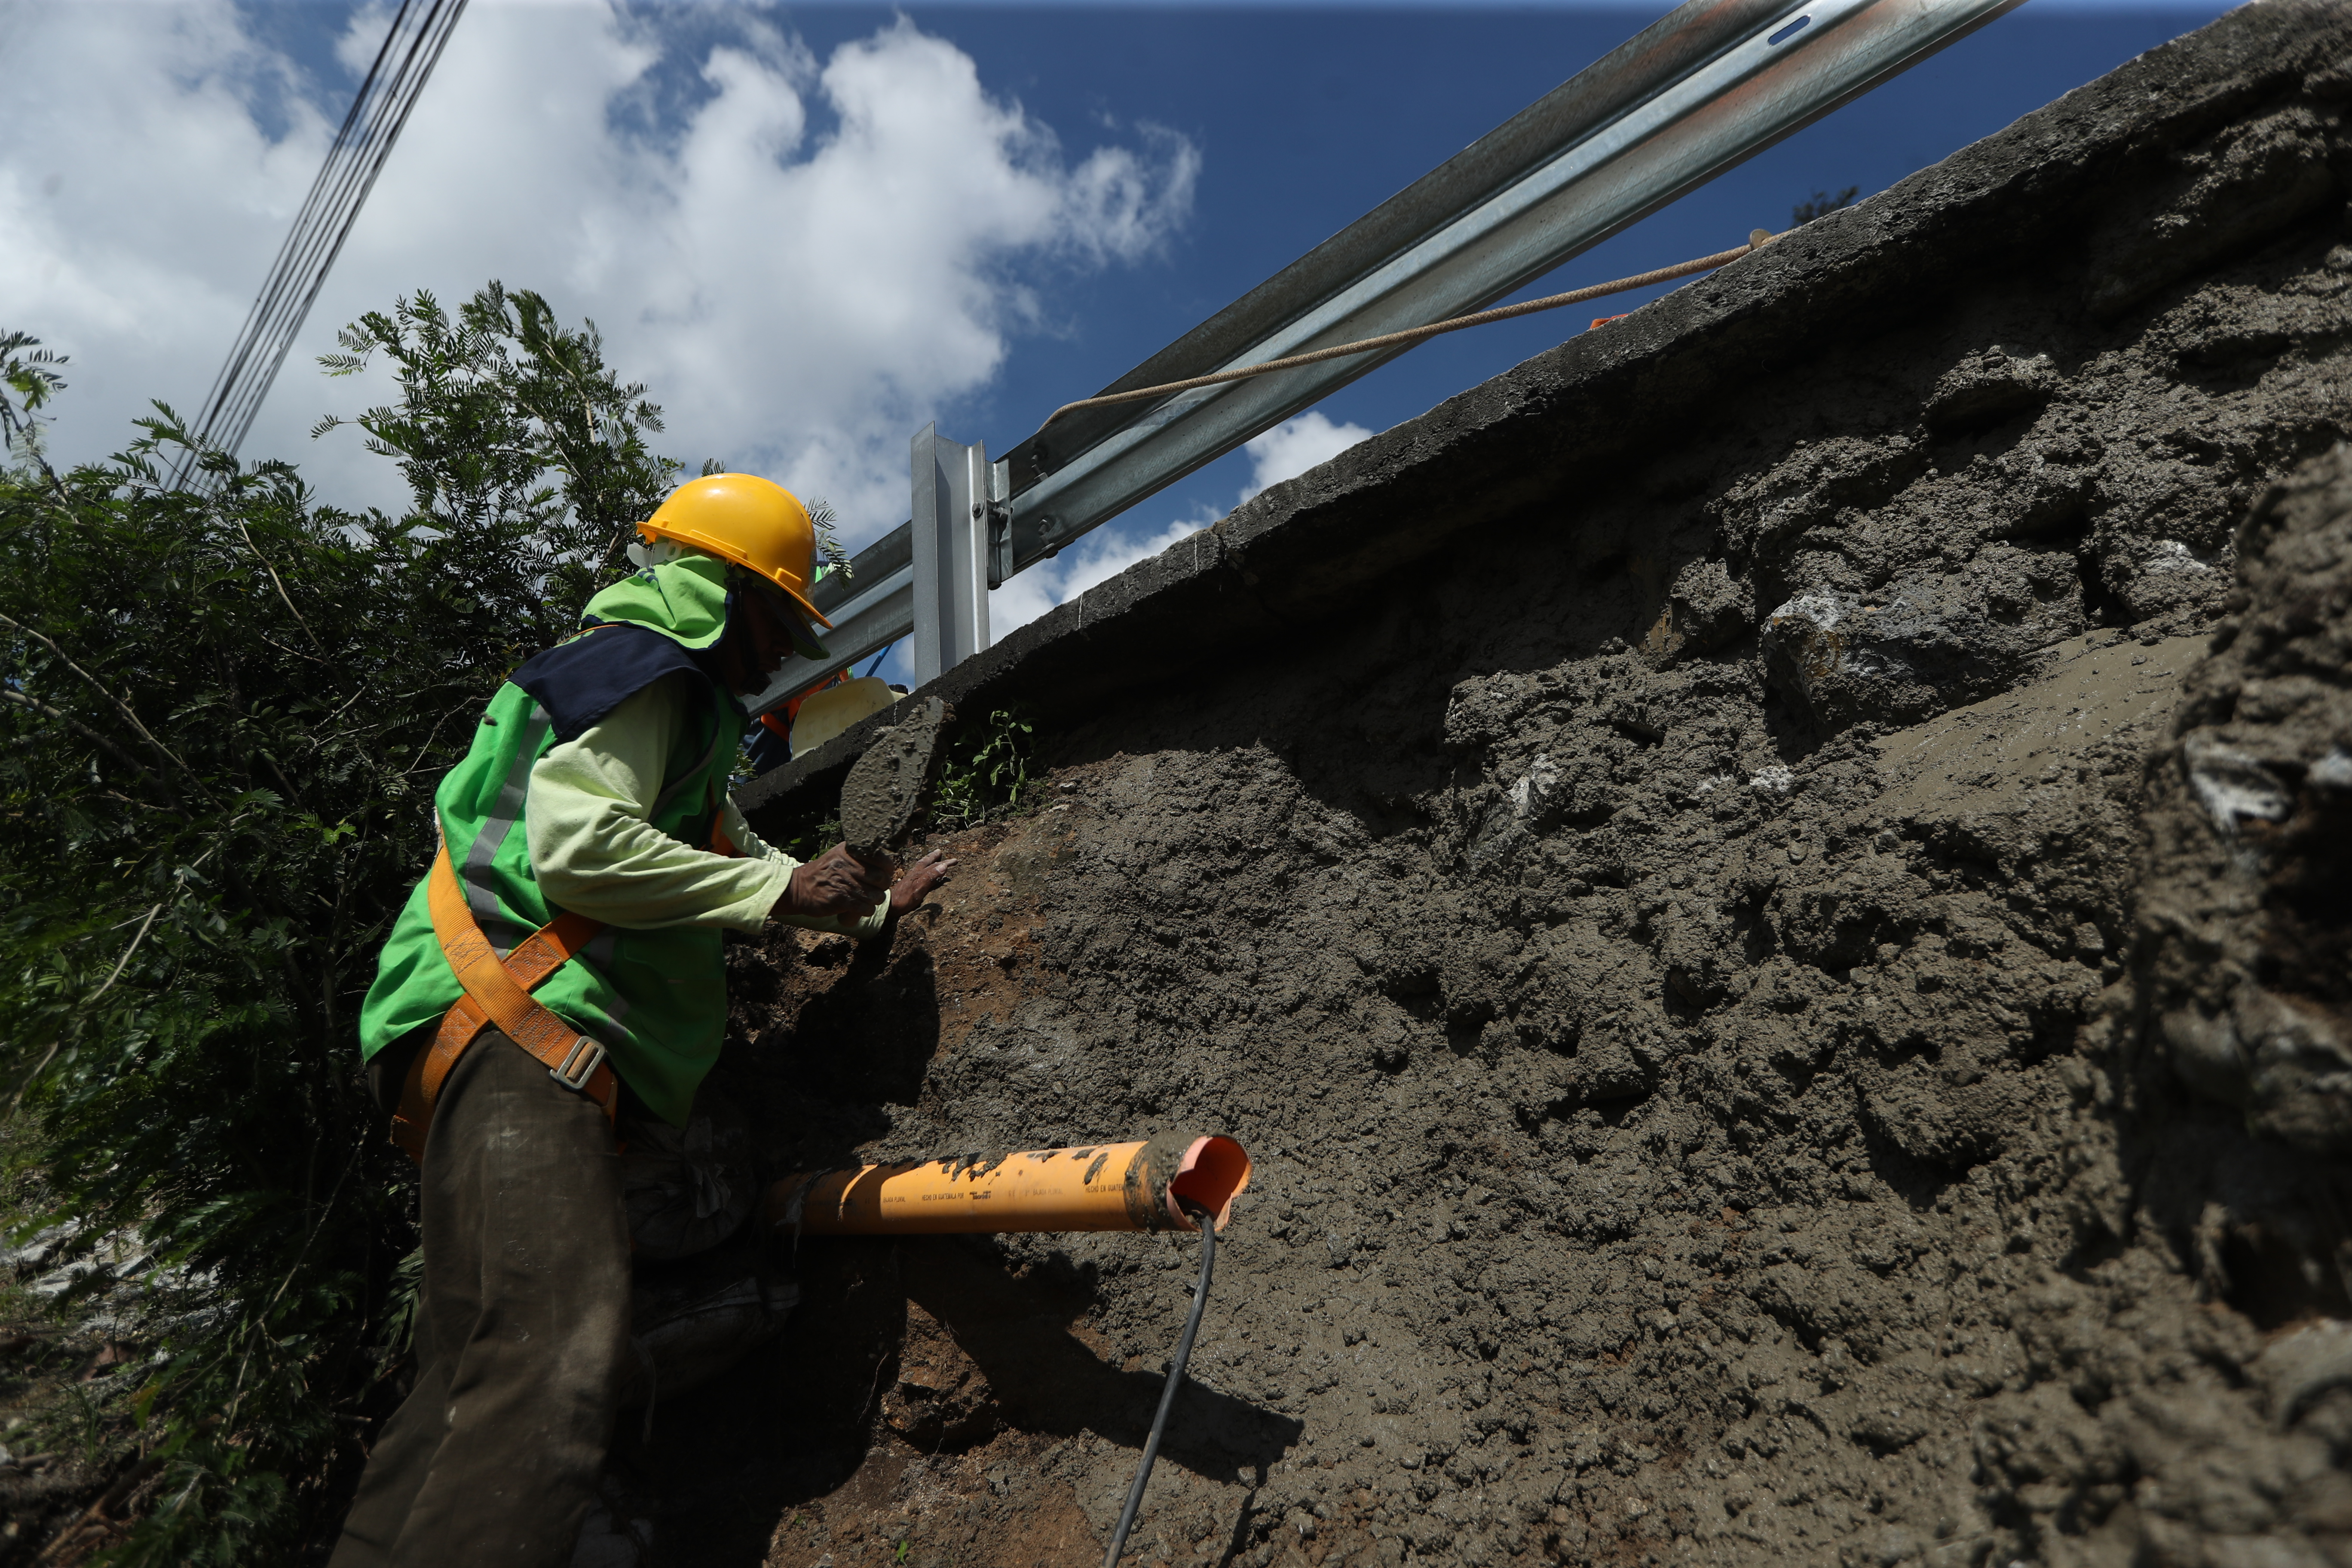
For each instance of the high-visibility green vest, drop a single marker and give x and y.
(655, 999)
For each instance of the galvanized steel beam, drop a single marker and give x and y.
(1709, 85)
(1786, 66)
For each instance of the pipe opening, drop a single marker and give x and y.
(1213, 1173)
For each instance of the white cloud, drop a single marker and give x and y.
(804, 263)
(1294, 446)
(139, 202)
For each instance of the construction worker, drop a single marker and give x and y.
(564, 954)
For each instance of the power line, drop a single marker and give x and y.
(412, 46)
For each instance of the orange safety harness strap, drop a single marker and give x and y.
(497, 991)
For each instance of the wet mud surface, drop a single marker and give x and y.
(1788, 1007)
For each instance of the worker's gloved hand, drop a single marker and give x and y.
(837, 885)
(915, 885)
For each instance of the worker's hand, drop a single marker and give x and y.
(913, 887)
(835, 886)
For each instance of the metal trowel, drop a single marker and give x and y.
(888, 790)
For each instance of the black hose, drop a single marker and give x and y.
(1168, 1395)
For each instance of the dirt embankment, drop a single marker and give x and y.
(1712, 970)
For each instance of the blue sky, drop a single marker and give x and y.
(1158, 160)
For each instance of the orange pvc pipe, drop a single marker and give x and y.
(1102, 1186)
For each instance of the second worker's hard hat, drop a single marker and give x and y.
(753, 522)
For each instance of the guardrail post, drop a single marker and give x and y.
(953, 490)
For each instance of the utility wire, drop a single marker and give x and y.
(1756, 241)
(1208, 1224)
(403, 63)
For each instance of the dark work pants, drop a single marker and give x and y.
(522, 1330)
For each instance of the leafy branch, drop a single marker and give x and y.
(178, 984)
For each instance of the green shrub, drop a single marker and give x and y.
(223, 713)
(985, 773)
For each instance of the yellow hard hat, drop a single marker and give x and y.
(754, 522)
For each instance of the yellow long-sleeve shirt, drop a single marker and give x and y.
(595, 851)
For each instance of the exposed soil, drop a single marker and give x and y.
(1766, 1028)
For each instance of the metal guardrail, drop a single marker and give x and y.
(1709, 85)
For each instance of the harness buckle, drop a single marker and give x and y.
(579, 1064)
